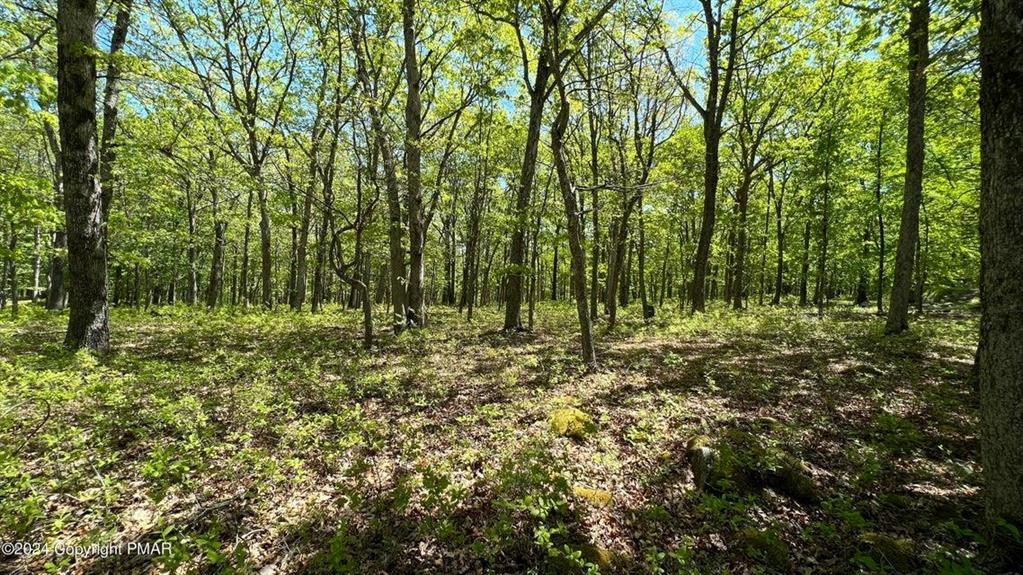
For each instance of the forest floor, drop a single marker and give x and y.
(272, 443)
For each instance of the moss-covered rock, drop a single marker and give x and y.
(712, 464)
(767, 547)
(697, 441)
(788, 474)
(601, 556)
(767, 465)
(897, 553)
(571, 422)
(704, 462)
(597, 497)
(770, 424)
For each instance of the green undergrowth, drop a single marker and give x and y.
(250, 439)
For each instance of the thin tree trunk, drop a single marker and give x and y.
(243, 286)
(265, 244)
(575, 233)
(413, 168)
(523, 196)
(880, 215)
(909, 229)
(193, 278)
(643, 295)
(55, 293)
(36, 263)
(862, 297)
(217, 261)
(739, 278)
(779, 231)
(822, 262)
(591, 122)
(767, 234)
(12, 272)
(805, 269)
(111, 99)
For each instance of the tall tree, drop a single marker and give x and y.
(538, 88)
(413, 165)
(552, 16)
(83, 197)
(55, 293)
(1000, 354)
(377, 101)
(243, 60)
(712, 112)
(909, 230)
(111, 101)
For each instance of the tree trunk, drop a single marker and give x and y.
(1000, 354)
(711, 138)
(36, 263)
(643, 296)
(55, 294)
(396, 271)
(111, 98)
(880, 215)
(413, 169)
(243, 282)
(12, 272)
(83, 196)
(554, 264)
(805, 269)
(524, 195)
(779, 232)
(217, 261)
(575, 239)
(265, 245)
(193, 278)
(591, 122)
(822, 263)
(302, 249)
(739, 279)
(909, 230)
(862, 298)
(767, 235)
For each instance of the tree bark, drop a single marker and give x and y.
(243, 282)
(12, 272)
(55, 294)
(739, 279)
(111, 99)
(83, 197)
(713, 115)
(394, 232)
(805, 269)
(571, 201)
(298, 293)
(909, 230)
(413, 168)
(217, 261)
(1000, 354)
(524, 195)
(265, 243)
(193, 278)
(779, 231)
(878, 177)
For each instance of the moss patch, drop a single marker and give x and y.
(571, 422)
(897, 553)
(598, 497)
